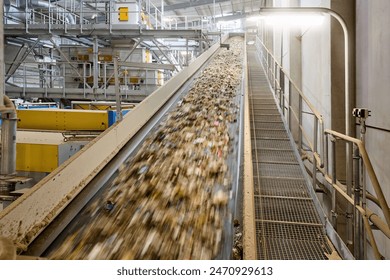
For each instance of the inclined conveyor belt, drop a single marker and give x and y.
(286, 220)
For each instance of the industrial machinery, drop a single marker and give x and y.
(66, 190)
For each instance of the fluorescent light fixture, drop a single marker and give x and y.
(300, 20)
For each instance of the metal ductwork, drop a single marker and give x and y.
(8, 143)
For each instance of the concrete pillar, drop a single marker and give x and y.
(346, 8)
(295, 66)
(2, 71)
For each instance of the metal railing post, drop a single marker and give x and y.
(334, 180)
(315, 136)
(289, 105)
(326, 155)
(282, 89)
(275, 70)
(322, 148)
(349, 213)
(105, 79)
(300, 124)
(364, 190)
(84, 78)
(64, 82)
(50, 18)
(24, 80)
(356, 216)
(268, 70)
(81, 16)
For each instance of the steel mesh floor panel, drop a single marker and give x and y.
(278, 170)
(286, 210)
(261, 96)
(268, 125)
(264, 155)
(268, 134)
(281, 187)
(291, 231)
(267, 118)
(272, 144)
(263, 111)
(259, 106)
(263, 101)
(281, 249)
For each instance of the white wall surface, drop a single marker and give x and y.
(316, 63)
(372, 85)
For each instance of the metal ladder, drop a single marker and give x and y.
(287, 223)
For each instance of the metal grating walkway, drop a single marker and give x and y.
(287, 222)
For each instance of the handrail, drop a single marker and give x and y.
(312, 108)
(370, 170)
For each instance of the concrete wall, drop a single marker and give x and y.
(372, 88)
(316, 61)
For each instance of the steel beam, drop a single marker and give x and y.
(164, 54)
(152, 66)
(122, 31)
(62, 119)
(76, 93)
(189, 4)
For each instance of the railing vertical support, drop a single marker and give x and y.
(349, 214)
(326, 154)
(84, 78)
(282, 89)
(357, 223)
(289, 105)
(275, 71)
(26, 15)
(300, 124)
(105, 79)
(82, 16)
(334, 180)
(315, 136)
(63, 80)
(24, 80)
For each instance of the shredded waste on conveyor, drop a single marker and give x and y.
(170, 200)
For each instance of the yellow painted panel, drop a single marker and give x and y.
(105, 57)
(83, 57)
(147, 56)
(123, 13)
(36, 157)
(134, 80)
(91, 107)
(62, 119)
